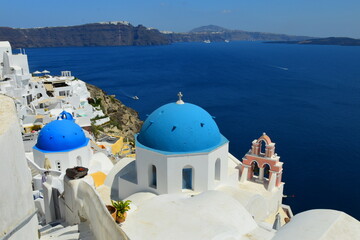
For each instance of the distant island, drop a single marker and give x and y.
(341, 41)
(215, 33)
(121, 33)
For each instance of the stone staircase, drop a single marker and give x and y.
(33, 170)
(61, 231)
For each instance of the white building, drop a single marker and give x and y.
(62, 144)
(179, 148)
(40, 98)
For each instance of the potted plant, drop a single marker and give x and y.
(112, 211)
(121, 208)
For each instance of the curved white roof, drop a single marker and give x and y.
(320, 224)
(209, 215)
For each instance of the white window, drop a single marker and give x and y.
(78, 161)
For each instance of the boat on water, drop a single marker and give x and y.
(207, 41)
(135, 97)
(227, 41)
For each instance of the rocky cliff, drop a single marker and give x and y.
(96, 34)
(124, 120)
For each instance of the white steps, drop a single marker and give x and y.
(34, 171)
(60, 231)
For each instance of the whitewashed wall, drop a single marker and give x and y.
(169, 171)
(82, 200)
(16, 201)
(66, 159)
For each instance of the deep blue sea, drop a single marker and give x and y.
(306, 98)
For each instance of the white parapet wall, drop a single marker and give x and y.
(18, 218)
(102, 121)
(83, 203)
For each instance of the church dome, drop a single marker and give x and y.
(61, 136)
(179, 127)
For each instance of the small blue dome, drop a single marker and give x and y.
(65, 115)
(179, 128)
(61, 136)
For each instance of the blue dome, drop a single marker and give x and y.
(179, 128)
(61, 136)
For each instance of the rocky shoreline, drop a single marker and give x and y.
(124, 121)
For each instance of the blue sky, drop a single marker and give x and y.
(319, 18)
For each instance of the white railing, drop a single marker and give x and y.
(40, 170)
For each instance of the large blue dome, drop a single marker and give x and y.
(179, 128)
(61, 136)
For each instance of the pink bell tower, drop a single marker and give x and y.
(261, 164)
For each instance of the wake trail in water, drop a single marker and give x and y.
(278, 67)
(127, 94)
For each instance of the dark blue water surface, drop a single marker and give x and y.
(306, 98)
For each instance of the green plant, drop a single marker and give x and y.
(95, 102)
(121, 207)
(98, 117)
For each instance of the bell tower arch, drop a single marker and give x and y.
(262, 153)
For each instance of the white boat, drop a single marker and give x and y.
(227, 41)
(207, 41)
(135, 97)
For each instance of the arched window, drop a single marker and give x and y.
(152, 176)
(255, 168)
(187, 178)
(266, 170)
(262, 147)
(78, 161)
(217, 169)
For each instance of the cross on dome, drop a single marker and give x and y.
(180, 101)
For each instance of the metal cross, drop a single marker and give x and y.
(180, 96)
(180, 101)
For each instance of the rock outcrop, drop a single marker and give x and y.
(124, 120)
